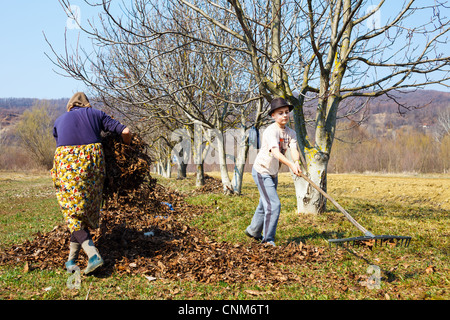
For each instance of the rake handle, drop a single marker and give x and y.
(337, 205)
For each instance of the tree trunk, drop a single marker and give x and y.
(200, 178)
(182, 157)
(309, 200)
(165, 167)
(164, 170)
(198, 154)
(226, 183)
(239, 165)
(168, 173)
(181, 172)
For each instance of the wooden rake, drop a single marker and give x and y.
(369, 239)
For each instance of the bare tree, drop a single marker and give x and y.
(329, 50)
(302, 50)
(150, 77)
(444, 122)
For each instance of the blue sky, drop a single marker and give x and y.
(25, 71)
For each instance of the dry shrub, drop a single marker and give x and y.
(16, 158)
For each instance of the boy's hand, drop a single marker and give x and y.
(296, 169)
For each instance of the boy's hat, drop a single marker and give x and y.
(278, 103)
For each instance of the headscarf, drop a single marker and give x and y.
(79, 99)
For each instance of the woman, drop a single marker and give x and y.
(78, 172)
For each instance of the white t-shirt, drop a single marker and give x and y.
(274, 137)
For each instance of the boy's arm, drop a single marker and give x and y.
(296, 157)
(295, 167)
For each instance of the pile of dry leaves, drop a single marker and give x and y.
(145, 230)
(212, 185)
(127, 168)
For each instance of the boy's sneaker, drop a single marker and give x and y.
(257, 238)
(94, 262)
(270, 243)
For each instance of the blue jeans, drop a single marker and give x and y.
(266, 215)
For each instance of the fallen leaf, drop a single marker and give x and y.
(392, 244)
(161, 265)
(257, 293)
(368, 243)
(175, 291)
(430, 269)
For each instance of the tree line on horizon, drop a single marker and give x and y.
(402, 144)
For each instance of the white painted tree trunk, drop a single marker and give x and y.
(165, 168)
(309, 200)
(197, 153)
(226, 183)
(241, 157)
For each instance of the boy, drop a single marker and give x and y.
(276, 139)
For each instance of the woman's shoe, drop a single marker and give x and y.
(94, 262)
(70, 265)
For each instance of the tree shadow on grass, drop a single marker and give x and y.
(325, 235)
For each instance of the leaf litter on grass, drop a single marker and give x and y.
(145, 230)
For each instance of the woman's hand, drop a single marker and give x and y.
(126, 136)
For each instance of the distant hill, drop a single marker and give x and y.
(20, 104)
(12, 108)
(419, 108)
(419, 99)
(416, 109)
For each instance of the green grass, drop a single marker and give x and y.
(28, 205)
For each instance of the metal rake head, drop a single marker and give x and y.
(369, 241)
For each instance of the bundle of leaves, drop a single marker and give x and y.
(128, 179)
(127, 166)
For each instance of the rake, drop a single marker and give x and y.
(369, 239)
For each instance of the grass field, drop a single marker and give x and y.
(417, 206)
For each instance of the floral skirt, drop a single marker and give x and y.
(78, 174)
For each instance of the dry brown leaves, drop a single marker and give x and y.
(140, 235)
(212, 185)
(126, 165)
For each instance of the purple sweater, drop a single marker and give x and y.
(82, 126)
